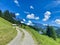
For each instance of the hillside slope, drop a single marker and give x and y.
(41, 39)
(7, 32)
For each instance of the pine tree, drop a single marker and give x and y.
(0, 13)
(51, 32)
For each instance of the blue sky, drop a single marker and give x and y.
(38, 11)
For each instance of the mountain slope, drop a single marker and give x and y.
(7, 32)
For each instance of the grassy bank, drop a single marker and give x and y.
(7, 32)
(41, 39)
(58, 40)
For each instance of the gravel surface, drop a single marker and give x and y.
(27, 39)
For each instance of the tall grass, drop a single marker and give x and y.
(7, 32)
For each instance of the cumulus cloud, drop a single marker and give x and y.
(46, 15)
(24, 20)
(16, 2)
(37, 18)
(17, 14)
(31, 7)
(57, 21)
(29, 23)
(32, 16)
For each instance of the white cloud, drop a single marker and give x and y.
(57, 21)
(24, 20)
(31, 7)
(16, 2)
(29, 23)
(37, 18)
(46, 15)
(32, 16)
(17, 14)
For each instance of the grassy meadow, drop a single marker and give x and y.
(40, 39)
(7, 32)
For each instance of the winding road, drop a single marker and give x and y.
(27, 39)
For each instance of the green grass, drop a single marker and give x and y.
(58, 40)
(7, 32)
(41, 39)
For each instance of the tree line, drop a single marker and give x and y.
(50, 31)
(9, 16)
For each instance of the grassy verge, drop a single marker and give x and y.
(41, 39)
(7, 32)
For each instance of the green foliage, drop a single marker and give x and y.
(9, 16)
(58, 32)
(51, 32)
(0, 13)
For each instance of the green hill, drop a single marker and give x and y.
(7, 32)
(40, 39)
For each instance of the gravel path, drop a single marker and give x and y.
(16, 40)
(27, 39)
